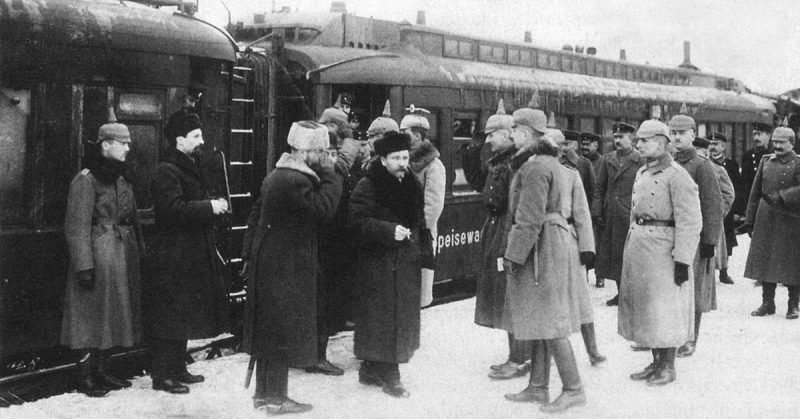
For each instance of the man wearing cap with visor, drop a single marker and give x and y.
(103, 289)
(717, 154)
(570, 158)
(280, 251)
(773, 217)
(611, 205)
(425, 164)
(701, 145)
(590, 148)
(752, 157)
(493, 178)
(656, 304)
(682, 134)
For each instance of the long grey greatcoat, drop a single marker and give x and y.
(100, 228)
(538, 296)
(186, 292)
(281, 245)
(705, 176)
(387, 310)
(576, 209)
(728, 193)
(612, 202)
(653, 310)
(775, 248)
(493, 179)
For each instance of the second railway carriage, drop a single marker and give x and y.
(460, 79)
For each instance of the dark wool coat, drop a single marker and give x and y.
(388, 271)
(775, 248)
(739, 203)
(750, 161)
(493, 178)
(702, 172)
(100, 228)
(185, 293)
(586, 171)
(282, 245)
(612, 202)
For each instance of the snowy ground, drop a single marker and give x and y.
(744, 367)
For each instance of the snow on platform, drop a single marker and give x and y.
(744, 367)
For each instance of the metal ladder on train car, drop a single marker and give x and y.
(241, 155)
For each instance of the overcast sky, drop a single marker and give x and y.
(755, 41)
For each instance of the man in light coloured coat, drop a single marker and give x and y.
(426, 165)
(682, 134)
(538, 264)
(773, 217)
(656, 305)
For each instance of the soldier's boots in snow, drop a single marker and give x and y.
(763, 310)
(590, 342)
(572, 393)
(87, 383)
(384, 375)
(665, 373)
(169, 385)
(650, 369)
(688, 348)
(537, 390)
(105, 379)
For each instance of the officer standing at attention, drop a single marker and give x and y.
(752, 157)
(682, 134)
(655, 305)
(611, 206)
(773, 217)
(717, 155)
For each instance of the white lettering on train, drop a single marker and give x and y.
(454, 239)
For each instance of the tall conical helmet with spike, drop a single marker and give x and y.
(534, 102)
(499, 120)
(113, 130)
(551, 120)
(682, 121)
(383, 123)
(783, 132)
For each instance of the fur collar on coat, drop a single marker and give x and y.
(403, 198)
(291, 162)
(422, 156)
(184, 162)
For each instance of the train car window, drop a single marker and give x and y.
(702, 129)
(139, 106)
(552, 61)
(451, 48)
(432, 44)
(142, 160)
(492, 53)
(15, 109)
(513, 56)
(590, 67)
(526, 58)
(588, 125)
(541, 59)
(727, 129)
(465, 127)
(465, 49)
(562, 121)
(305, 35)
(609, 70)
(578, 65)
(566, 63)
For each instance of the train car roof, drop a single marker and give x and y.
(94, 24)
(408, 67)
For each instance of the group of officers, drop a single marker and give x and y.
(359, 215)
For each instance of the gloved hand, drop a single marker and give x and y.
(681, 273)
(706, 250)
(510, 266)
(85, 279)
(745, 229)
(587, 259)
(219, 206)
(598, 221)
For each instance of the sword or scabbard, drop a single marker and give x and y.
(250, 366)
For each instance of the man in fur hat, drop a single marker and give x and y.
(280, 251)
(102, 301)
(425, 164)
(186, 294)
(387, 215)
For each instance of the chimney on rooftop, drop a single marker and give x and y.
(591, 51)
(338, 7)
(687, 55)
(579, 49)
(567, 47)
(421, 17)
(622, 56)
(528, 37)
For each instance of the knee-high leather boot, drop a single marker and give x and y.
(572, 393)
(689, 347)
(666, 373)
(537, 390)
(87, 384)
(590, 342)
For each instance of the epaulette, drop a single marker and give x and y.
(569, 166)
(767, 156)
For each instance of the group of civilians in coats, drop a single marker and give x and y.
(539, 242)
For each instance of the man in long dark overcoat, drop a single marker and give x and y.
(773, 216)
(682, 134)
(611, 206)
(282, 264)
(718, 155)
(102, 300)
(387, 215)
(752, 157)
(186, 293)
